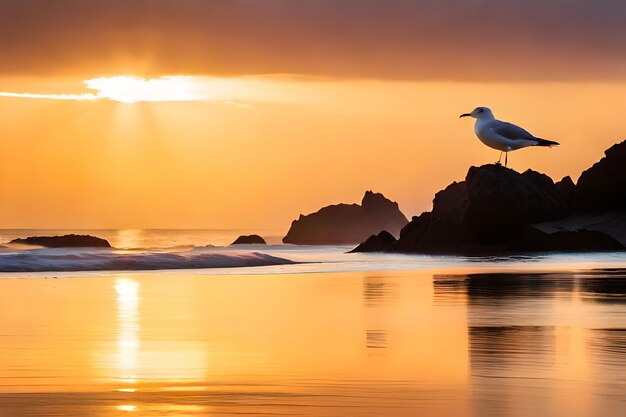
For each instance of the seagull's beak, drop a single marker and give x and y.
(464, 115)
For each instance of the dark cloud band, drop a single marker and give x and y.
(390, 39)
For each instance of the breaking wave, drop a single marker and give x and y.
(64, 260)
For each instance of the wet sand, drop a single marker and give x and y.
(374, 343)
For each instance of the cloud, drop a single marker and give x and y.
(62, 96)
(388, 39)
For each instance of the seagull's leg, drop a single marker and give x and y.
(499, 159)
(506, 158)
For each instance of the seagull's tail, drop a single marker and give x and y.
(545, 142)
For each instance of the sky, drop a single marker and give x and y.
(244, 114)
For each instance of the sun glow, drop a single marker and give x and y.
(126, 407)
(238, 91)
(127, 89)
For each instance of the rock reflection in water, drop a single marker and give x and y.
(378, 292)
(543, 336)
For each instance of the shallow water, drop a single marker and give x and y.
(443, 342)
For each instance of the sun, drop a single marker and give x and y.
(128, 89)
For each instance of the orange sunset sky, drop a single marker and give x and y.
(244, 114)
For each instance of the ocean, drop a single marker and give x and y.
(164, 324)
(171, 249)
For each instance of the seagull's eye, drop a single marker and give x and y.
(480, 110)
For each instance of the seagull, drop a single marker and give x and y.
(503, 136)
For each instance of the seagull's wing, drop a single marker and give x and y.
(512, 132)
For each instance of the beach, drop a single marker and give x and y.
(462, 338)
(355, 208)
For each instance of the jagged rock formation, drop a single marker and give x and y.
(65, 241)
(347, 223)
(249, 240)
(489, 209)
(498, 210)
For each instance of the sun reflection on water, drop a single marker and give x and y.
(126, 239)
(126, 407)
(127, 339)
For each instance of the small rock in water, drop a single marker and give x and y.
(249, 240)
(65, 241)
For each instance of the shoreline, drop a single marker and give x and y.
(535, 263)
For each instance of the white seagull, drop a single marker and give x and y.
(503, 136)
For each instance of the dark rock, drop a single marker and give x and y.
(66, 241)
(603, 186)
(498, 210)
(347, 223)
(612, 224)
(414, 234)
(381, 242)
(249, 240)
(567, 190)
(500, 201)
(567, 241)
(486, 211)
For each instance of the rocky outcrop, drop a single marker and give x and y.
(377, 243)
(498, 210)
(602, 187)
(249, 240)
(65, 241)
(488, 210)
(347, 223)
